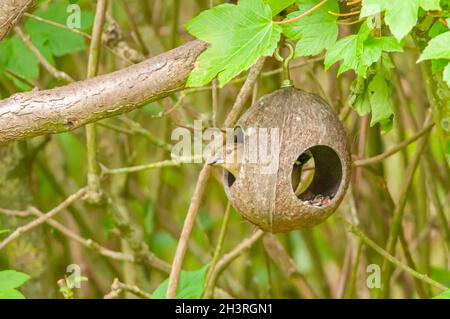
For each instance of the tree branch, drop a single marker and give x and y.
(66, 108)
(10, 13)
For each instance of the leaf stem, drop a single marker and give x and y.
(345, 14)
(304, 14)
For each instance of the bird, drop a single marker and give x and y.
(229, 158)
(297, 172)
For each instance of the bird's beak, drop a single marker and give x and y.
(215, 161)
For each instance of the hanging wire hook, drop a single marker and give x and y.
(286, 77)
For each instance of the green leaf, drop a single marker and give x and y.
(373, 94)
(238, 34)
(443, 295)
(54, 39)
(345, 49)
(441, 274)
(9, 281)
(16, 56)
(49, 40)
(349, 49)
(316, 31)
(12, 279)
(77, 279)
(437, 48)
(372, 7)
(447, 74)
(362, 103)
(380, 100)
(429, 5)
(11, 294)
(373, 49)
(438, 65)
(278, 5)
(359, 51)
(436, 29)
(400, 16)
(190, 286)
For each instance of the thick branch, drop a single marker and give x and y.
(10, 13)
(65, 108)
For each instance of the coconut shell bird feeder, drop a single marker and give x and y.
(313, 151)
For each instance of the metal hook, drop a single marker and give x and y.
(286, 77)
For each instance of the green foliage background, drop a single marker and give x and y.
(374, 73)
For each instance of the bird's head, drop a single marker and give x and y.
(228, 157)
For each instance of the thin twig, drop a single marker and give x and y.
(131, 235)
(399, 209)
(57, 74)
(93, 177)
(229, 257)
(135, 128)
(395, 149)
(137, 168)
(42, 219)
(388, 257)
(218, 250)
(434, 197)
(214, 101)
(134, 27)
(186, 231)
(84, 34)
(176, 17)
(316, 259)
(292, 66)
(117, 287)
(59, 25)
(88, 243)
(278, 254)
(245, 93)
(189, 221)
(21, 78)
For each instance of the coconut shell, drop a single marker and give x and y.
(306, 123)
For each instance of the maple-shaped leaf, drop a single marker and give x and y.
(279, 5)
(238, 35)
(316, 31)
(379, 91)
(439, 48)
(10, 280)
(359, 51)
(349, 49)
(400, 16)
